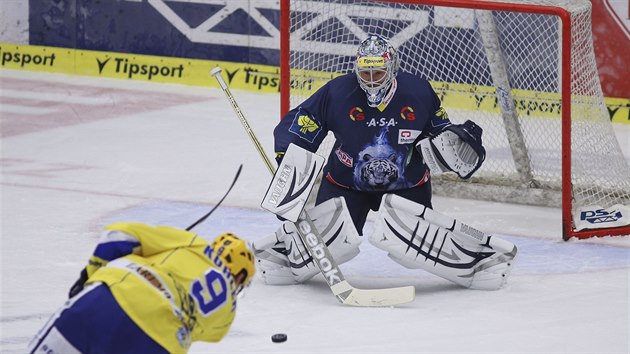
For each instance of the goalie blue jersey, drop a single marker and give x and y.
(375, 146)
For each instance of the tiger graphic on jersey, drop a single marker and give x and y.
(379, 167)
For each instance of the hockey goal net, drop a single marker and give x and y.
(523, 70)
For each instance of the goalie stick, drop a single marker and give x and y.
(344, 291)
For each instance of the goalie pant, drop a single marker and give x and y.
(413, 235)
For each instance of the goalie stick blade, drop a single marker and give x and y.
(349, 295)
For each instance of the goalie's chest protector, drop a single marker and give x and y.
(375, 149)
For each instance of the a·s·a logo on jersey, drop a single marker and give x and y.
(305, 126)
(407, 113)
(356, 114)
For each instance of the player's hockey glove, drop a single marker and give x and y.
(79, 284)
(456, 148)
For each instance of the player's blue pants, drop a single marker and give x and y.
(360, 202)
(93, 322)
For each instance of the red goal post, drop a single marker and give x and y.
(524, 70)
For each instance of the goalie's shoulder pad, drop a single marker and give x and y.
(470, 133)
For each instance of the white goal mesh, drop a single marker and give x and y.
(499, 64)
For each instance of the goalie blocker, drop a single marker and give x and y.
(292, 183)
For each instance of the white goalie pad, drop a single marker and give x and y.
(292, 183)
(421, 238)
(282, 257)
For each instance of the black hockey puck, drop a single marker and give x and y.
(279, 338)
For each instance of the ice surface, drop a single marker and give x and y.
(79, 153)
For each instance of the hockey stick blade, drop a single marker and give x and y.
(343, 291)
(238, 173)
(352, 296)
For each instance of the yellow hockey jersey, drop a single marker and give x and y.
(169, 281)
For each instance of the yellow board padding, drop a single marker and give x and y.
(540, 104)
(619, 109)
(195, 72)
(261, 78)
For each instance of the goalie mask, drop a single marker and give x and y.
(376, 68)
(237, 257)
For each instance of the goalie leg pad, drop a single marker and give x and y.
(282, 257)
(411, 239)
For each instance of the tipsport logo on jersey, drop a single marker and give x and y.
(305, 127)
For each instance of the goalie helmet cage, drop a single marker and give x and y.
(523, 70)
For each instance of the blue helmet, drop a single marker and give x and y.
(376, 68)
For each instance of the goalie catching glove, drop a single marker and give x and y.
(457, 148)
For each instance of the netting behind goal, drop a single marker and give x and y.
(513, 68)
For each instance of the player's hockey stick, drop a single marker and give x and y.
(238, 173)
(78, 285)
(345, 293)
